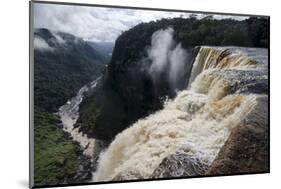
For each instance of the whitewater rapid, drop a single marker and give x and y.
(69, 113)
(197, 122)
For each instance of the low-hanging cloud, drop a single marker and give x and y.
(59, 39)
(41, 44)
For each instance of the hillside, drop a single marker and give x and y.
(63, 63)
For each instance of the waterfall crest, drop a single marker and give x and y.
(197, 122)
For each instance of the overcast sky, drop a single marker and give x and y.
(96, 23)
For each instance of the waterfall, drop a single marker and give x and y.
(211, 57)
(196, 123)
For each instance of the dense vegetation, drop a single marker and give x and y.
(54, 154)
(128, 92)
(59, 72)
(252, 32)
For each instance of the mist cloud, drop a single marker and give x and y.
(178, 61)
(159, 52)
(167, 57)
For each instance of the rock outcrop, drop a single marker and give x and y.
(247, 148)
(179, 165)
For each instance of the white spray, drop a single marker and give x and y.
(166, 55)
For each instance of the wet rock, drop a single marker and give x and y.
(67, 135)
(84, 172)
(77, 125)
(243, 81)
(247, 148)
(179, 165)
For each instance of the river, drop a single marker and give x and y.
(69, 114)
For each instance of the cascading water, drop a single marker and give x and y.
(232, 57)
(69, 114)
(197, 122)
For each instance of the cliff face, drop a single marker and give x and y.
(131, 91)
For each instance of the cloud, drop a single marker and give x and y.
(60, 40)
(42, 45)
(95, 23)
